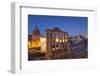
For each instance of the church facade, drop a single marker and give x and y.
(34, 39)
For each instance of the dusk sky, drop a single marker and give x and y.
(71, 24)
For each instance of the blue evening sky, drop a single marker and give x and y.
(71, 24)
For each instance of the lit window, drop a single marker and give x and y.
(57, 40)
(60, 40)
(65, 40)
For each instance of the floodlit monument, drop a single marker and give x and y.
(34, 39)
(58, 45)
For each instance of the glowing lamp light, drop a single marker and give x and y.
(60, 40)
(63, 40)
(57, 40)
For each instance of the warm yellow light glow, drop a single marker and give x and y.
(57, 40)
(43, 44)
(38, 43)
(60, 40)
(34, 44)
(63, 40)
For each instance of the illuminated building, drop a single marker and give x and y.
(43, 44)
(57, 43)
(34, 40)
